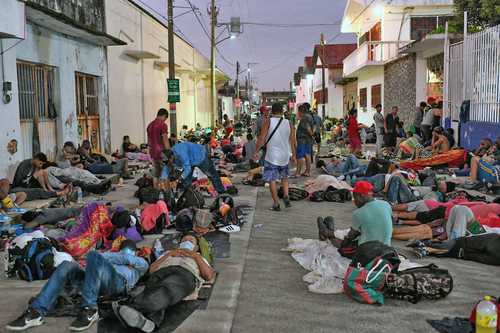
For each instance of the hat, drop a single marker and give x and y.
(431, 100)
(363, 187)
(263, 109)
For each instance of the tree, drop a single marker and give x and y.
(480, 14)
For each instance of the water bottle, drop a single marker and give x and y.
(79, 195)
(486, 316)
(161, 196)
(158, 248)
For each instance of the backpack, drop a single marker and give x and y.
(368, 251)
(148, 195)
(184, 220)
(341, 195)
(160, 224)
(294, 193)
(191, 198)
(33, 262)
(430, 282)
(222, 198)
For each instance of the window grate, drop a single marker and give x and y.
(35, 85)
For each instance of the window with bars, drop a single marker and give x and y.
(86, 95)
(36, 91)
(362, 98)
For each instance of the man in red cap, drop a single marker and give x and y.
(371, 221)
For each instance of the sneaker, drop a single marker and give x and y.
(135, 319)
(86, 318)
(30, 318)
(286, 200)
(275, 208)
(329, 223)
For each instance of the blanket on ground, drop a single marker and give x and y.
(453, 158)
(323, 182)
(93, 225)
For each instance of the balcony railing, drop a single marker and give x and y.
(371, 54)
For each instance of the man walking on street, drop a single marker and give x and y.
(158, 142)
(277, 136)
(391, 128)
(305, 140)
(379, 120)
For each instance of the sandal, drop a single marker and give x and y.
(286, 200)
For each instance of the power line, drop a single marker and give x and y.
(291, 25)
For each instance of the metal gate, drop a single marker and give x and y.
(477, 78)
(37, 109)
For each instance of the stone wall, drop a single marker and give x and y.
(400, 88)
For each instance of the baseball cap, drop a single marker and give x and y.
(363, 187)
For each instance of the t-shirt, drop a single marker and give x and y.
(392, 123)
(317, 121)
(24, 173)
(374, 222)
(156, 129)
(378, 118)
(428, 117)
(303, 135)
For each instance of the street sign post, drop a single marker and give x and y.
(174, 93)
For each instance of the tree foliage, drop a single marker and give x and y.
(480, 14)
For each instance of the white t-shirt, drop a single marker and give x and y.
(278, 148)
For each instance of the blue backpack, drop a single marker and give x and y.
(34, 262)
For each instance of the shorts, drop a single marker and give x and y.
(274, 172)
(432, 215)
(487, 172)
(157, 168)
(417, 206)
(303, 150)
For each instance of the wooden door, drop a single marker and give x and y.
(87, 109)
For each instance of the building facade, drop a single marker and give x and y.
(383, 30)
(55, 63)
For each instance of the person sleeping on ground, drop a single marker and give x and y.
(107, 274)
(371, 221)
(97, 164)
(175, 276)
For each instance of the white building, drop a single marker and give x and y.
(382, 28)
(54, 67)
(138, 74)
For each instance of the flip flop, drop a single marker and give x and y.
(230, 229)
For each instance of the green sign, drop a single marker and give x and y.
(174, 93)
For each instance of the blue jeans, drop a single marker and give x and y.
(99, 278)
(208, 168)
(352, 166)
(100, 168)
(398, 191)
(378, 181)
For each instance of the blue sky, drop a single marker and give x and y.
(278, 51)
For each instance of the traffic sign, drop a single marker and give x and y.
(174, 93)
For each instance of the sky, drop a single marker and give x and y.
(278, 52)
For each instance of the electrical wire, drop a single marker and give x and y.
(11, 47)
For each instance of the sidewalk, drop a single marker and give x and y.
(273, 297)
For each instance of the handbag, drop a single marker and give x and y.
(365, 284)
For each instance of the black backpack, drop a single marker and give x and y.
(368, 251)
(33, 262)
(294, 194)
(191, 198)
(341, 195)
(184, 220)
(430, 282)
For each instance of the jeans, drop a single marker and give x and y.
(54, 215)
(34, 193)
(208, 168)
(398, 191)
(352, 167)
(99, 278)
(378, 182)
(164, 288)
(100, 168)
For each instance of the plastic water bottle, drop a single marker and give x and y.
(79, 195)
(486, 316)
(158, 248)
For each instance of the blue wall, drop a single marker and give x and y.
(472, 132)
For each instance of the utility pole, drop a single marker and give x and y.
(213, 14)
(323, 83)
(171, 62)
(237, 88)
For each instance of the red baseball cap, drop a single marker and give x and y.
(363, 187)
(263, 109)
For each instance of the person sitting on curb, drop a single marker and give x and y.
(187, 156)
(176, 275)
(107, 274)
(371, 221)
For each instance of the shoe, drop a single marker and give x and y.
(329, 222)
(135, 319)
(286, 200)
(30, 318)
(321, 229)
(275, 208)
(86, 318)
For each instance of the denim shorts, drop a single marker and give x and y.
(303, 150)
(274, 172)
